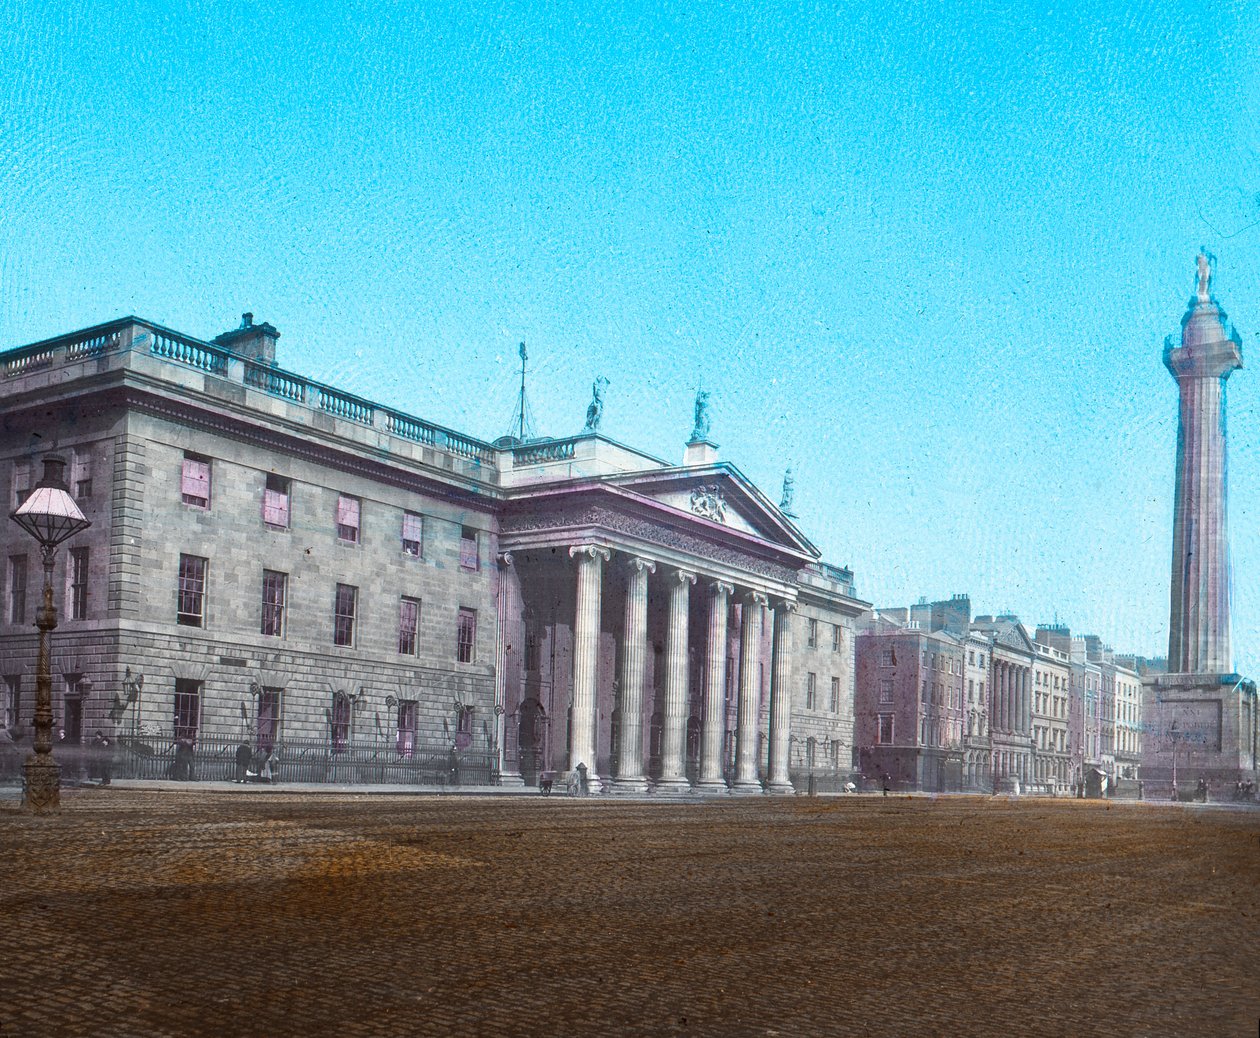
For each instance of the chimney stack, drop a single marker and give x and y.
(256, 342)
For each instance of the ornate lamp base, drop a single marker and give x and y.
(42, 793)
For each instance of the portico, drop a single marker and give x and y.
(646, 634)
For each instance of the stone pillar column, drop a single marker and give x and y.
(674, 726)
(630, 777)
(778, 779)
(746, 780)
(1000, 680)
(590, 581)
(1025, 699)
(711, 735)
(508, 669)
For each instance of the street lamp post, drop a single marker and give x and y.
(49, 515)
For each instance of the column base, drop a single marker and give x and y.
(782, 789)
(710, 787)
(629, 787)
(511, 779)
(594, 786)
(673, 786)
(41, 794)
(747, 787)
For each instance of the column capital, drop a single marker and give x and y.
(683, 576)
(505, 559)
(785, 605)
(591, 551)
(640, 564)
(756, 598)
(720, 587)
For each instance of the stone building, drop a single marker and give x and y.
(368, 596)
(1052, 684)
(909, 710)
(1012, 657)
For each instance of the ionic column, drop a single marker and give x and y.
(674, 726)
(711, 734)
(505, 705)
(1025, 702)
(590, 578)
(746, 780)
(778, 780)
(630, 778)
(999, 677)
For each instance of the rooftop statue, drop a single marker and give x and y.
(595, 411)
(701, 430)
(789, 493)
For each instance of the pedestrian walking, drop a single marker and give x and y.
(887, 782)
(243, 757)
(103, 754)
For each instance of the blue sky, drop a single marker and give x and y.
(926, 254)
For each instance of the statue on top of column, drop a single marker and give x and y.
(701, 430)
(595, 411)
(1205, 276)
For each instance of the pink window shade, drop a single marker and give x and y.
(196, 481)
(275, 508)
(412, 528)
(348, 511)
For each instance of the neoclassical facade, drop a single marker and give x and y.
(370, 597)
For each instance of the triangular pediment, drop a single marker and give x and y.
(719, 494)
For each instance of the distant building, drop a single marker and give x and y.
(909, 711)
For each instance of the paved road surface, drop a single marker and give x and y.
(142, 913)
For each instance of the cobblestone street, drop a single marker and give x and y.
(150, 913)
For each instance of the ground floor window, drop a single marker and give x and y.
(187, 709)
(406, 727)
(268, 718)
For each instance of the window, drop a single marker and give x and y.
(17, 589)
(466, 636)
(412, 534)
(12, 700)
(887, 658)
(885, 690)
(276, 502)
(78, 583)
(81, 475)
(980, 688)
(924, 691)
(885, 737)
(187, 709)
(835, 695)
(835, 638)
(195, 481)
(348, 519)
(408, 625)
(811, 690)
(980, 662)
(971, 690)
(406, 727)
(21, 482)
(344, 606)
(275, 593)
(468, 556)
(268, 718)
(812, 638)
(191, 611)
(340, 723)
(971, 656)
(811, 752)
